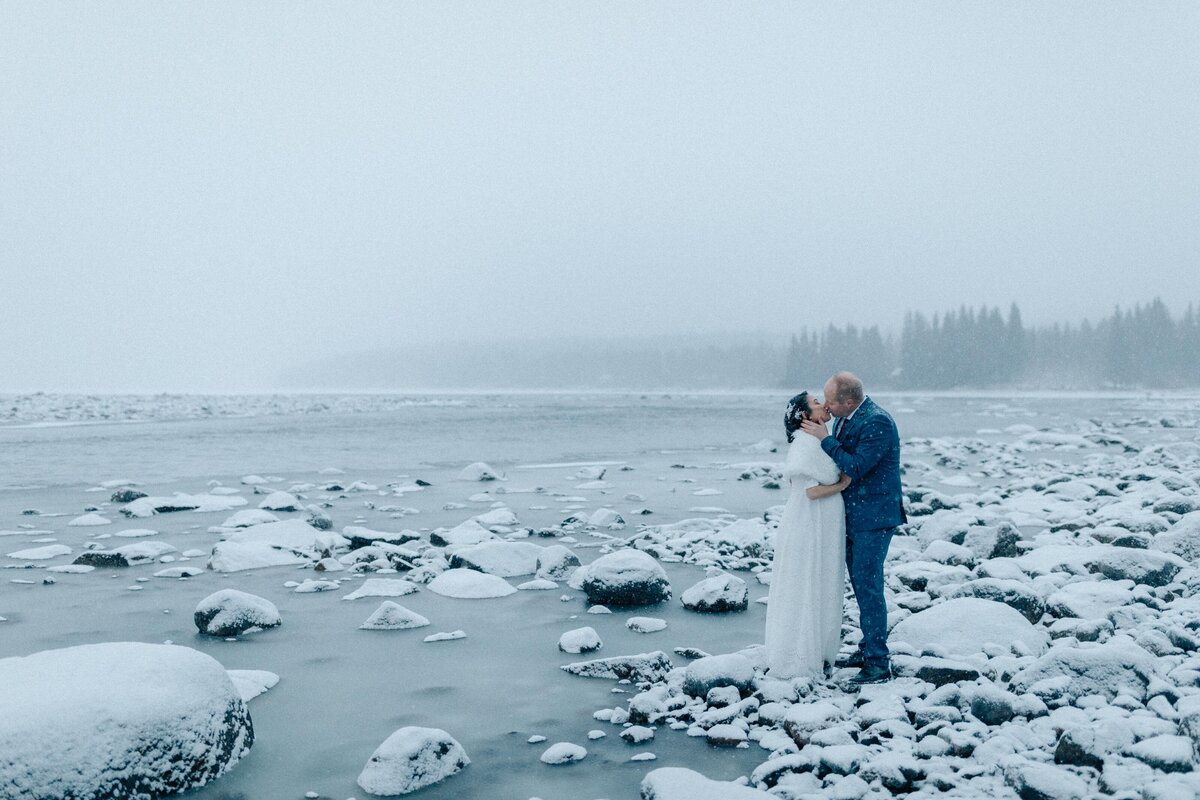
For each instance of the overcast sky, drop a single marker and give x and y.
(196, 195)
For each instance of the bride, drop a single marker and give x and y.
(804, 612)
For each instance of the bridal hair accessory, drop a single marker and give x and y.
(797, 412)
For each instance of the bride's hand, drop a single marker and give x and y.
(843, 482)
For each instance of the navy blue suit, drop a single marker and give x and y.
(868, 450)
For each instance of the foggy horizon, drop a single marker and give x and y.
(206, 198)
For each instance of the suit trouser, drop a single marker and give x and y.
(865, 553)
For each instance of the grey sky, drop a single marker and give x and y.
(194, 195)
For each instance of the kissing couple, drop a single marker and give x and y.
(845, 504)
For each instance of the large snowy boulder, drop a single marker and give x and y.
(1116, 667)
(961, 627)
(626, 578)
(229, 612)
(121, 719)
(411, 759)
(504, 559)
(717, 594)
(680, 783)
(468, 584)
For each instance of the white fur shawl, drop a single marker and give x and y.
(806, 459)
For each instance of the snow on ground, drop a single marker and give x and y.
(1044, 601)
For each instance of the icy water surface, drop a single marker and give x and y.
(342, 691)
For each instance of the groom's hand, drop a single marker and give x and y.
(815, 429)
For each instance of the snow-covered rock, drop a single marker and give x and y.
(498, 516)
(89, 520)
(393, 617)
(719, 593)
(478, 471)
(1167, 753)
(606, 518)
(563, 753)
(1012, 593)
(383, 587)
(1114, 667)
(311, 586)
(556, 562)
(411, 759)
(250, 683)
(961, 627)
(748, 535)
(120, 719)
(1031, 779)
(295, 534)
(580, 640)
(1089, 599)
(645, 624)
(625, 578)
(127, 555)
(728, 669)
(1182, 539)
(237, 556)
(679, 783)
(229, 612)
(468, 533)
(470, 584)
(44, 553)
(149, 506)
(247, 517)
(504, 559)
(642, 667)
(360, 536)
(1140, 566)
(280, 501)
(136, 533)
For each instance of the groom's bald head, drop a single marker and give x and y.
(843, 394)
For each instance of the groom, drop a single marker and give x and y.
(866, 446)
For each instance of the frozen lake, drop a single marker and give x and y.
(342, 691)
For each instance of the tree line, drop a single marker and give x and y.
(1144, 346)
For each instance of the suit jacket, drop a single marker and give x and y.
(869, 452)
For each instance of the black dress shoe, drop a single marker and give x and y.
(853, 661)
(873, 673)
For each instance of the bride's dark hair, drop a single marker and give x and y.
(797, 411)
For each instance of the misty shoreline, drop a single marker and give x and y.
(51, 410)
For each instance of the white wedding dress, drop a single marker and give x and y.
(804, 612)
